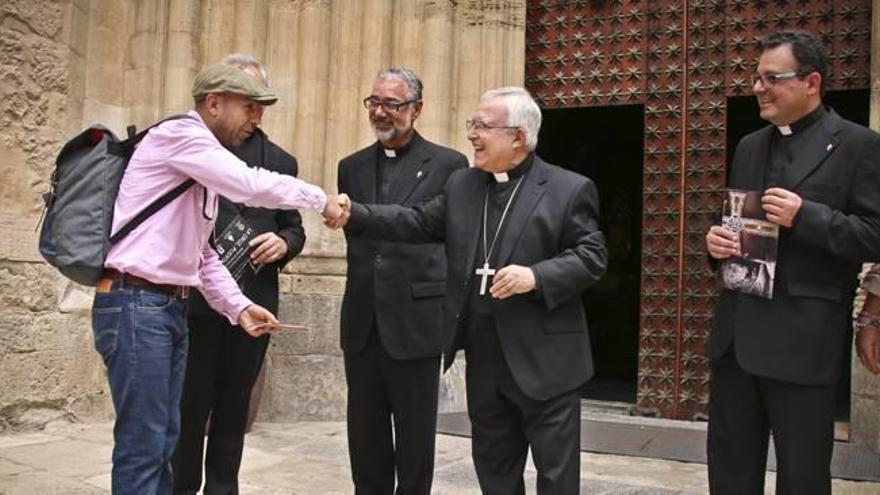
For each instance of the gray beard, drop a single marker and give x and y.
(384, 136)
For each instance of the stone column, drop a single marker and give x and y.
(218, 25)
(144, 62)
(435, 58)
(252, 17)
(104, 66)
(312, 39)
(181, 56)
(351, 22)
(490, 53)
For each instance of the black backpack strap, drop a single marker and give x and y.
(128, 148)
(136, 138)
(125, 148)
(152, 209)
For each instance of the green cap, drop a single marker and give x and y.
(222, 78)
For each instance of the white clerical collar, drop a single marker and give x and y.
(390, 153)
(785, 130)
(501, 176)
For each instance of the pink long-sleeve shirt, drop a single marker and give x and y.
(171, 247)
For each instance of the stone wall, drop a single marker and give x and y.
(48, 369)
(65, 64)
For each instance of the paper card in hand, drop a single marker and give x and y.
(232, 245)
(280, 326)
(753, 272)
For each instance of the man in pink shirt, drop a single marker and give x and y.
(139, 312)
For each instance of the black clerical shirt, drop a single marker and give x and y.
(482, 341)
(387, 171)
(784, 149)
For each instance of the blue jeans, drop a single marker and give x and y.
(141, 335)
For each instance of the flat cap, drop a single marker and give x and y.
(222, 78)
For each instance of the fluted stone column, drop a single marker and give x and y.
(252, 18)
(218, 24)
(434, 27)
(103, 65)
(145, 59)
(181, 56)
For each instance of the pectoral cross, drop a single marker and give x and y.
(485, 272)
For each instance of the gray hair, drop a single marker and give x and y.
(522, 111)
(413, 83)
(245, 61)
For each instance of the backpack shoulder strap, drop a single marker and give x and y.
(137, 137)
(125, 148)
(163, 200)
(151, 210)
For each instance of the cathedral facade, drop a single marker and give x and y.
(647, 97)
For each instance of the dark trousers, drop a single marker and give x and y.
(744, 409)
(222, 365)
(505, 423)
(381, 388)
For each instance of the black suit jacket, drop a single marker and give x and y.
(553, 228)
(799, 336)
(401, 285)
(262, 287)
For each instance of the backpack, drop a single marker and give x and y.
(78, 209)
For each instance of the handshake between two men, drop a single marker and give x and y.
(337, 211)
(506, 282)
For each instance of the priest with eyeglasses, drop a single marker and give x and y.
(522, 243)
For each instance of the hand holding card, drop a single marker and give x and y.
(272, 327)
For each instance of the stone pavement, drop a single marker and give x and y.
(311, 458)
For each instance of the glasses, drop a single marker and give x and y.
(769, 79)
(480, 126)
(371, 103)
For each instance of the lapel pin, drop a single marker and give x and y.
(419, 174)
(829, 147)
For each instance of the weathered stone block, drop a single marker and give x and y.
(50, 370)
(320, 313)
(317, 284)
(317, 265)
(27, 286)
(44, 17)
(865, 422)
(303, 388)
(863, 382)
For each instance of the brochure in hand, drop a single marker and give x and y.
(232, 245)
(753, 272)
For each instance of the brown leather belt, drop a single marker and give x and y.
(111, 276)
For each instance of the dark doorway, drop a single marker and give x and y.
(606, 144)
(743, 118)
